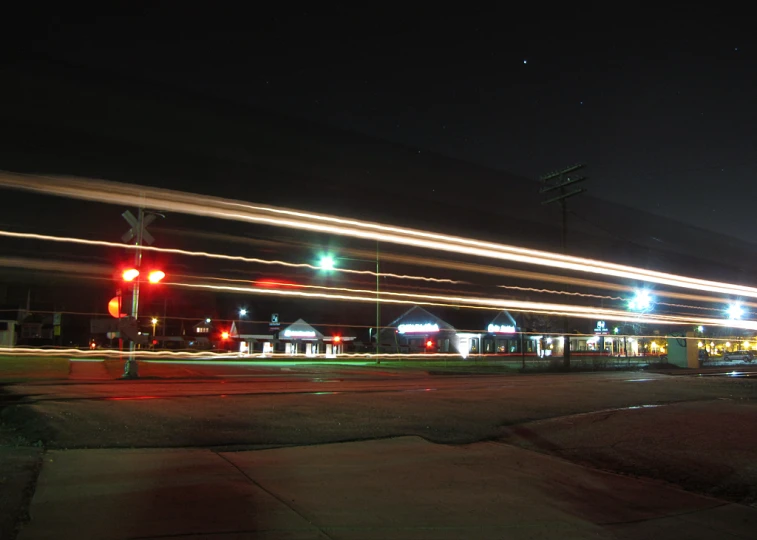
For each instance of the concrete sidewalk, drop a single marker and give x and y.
(403, 488)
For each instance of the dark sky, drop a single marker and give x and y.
(661, 104)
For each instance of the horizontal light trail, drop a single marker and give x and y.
(603, 297)
(95, 269)
(540, 276)
(358, 295)
(55, 266)
(238, 258)
(687, 306)
(235, 358)
(567, 293)
(167, 200)
(94, 353)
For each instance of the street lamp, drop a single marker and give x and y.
(735, 312)
(242, 312)
(328, 262)
(642, 301)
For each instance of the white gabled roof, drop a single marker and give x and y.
(418, 315)
(299, 329)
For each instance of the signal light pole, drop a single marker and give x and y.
(558, 181)
(130, 368)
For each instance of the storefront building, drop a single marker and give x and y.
(252, 338)
(418, 331)
(502, 335)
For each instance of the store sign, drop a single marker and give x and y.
(425, 328)
(299, 333)
(501, 329)
(601, 328)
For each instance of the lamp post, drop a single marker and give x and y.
(642, 302)
(328, 262)
(242, 313)
(154, 322)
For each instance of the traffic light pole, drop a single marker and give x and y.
(130, 368)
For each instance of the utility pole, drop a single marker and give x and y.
(378, 303)
(557, 180)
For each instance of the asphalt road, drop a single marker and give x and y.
(693, 431)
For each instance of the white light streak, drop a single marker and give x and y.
(105, 243)
(359, 295)
(567, 293)
(172, 201)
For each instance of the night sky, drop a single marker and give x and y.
(661, 105)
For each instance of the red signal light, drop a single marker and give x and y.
(337, 339)
(155, 276)
(224, 335)
(429, 344)
(130, 274)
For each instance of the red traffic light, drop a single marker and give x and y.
(429, 344)
(337, 339)
(224, 335)
(130, 274)
(155, 276)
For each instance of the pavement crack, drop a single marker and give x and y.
(274, 495)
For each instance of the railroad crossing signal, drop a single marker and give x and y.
(133, 233)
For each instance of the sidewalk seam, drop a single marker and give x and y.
(272, 494)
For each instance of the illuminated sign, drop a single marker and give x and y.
(299, 333)
(418, 328)
(601, 327)
(501, 329)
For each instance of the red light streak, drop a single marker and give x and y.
(134, 398)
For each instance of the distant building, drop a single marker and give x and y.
(7, 333)
(252, 337)
(31, 329)
(302, 338)
(202, 335)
